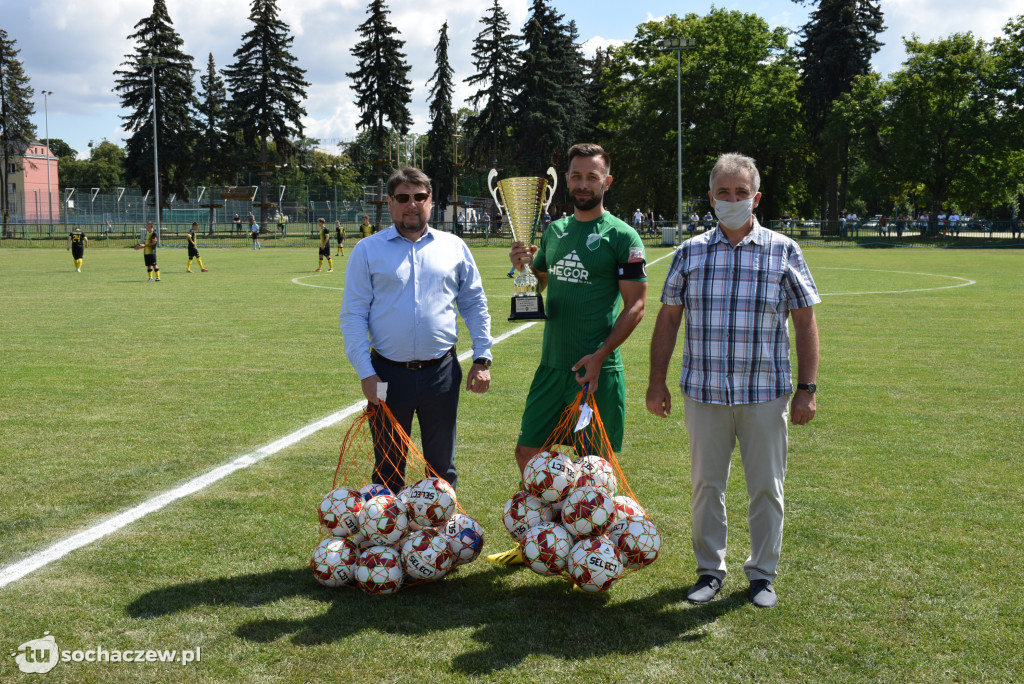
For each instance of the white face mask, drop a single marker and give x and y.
(734, 215)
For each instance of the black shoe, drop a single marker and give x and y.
(706, 588)
(762, 594)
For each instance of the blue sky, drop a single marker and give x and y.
(72, 47)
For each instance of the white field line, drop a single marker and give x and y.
(58, 550)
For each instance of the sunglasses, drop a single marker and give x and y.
(404, 197)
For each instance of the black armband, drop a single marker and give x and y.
(633, 270)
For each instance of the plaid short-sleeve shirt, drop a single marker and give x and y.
(737, 302)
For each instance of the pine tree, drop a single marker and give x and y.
(214, 145)
(267, 89)
(158, 58)
(495, 60)
(381, 81)
(547, 104)
(838, 42)
(16, 108)
(440, 165)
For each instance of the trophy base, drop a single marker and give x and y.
(527, 307)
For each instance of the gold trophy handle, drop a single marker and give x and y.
(495, 189)
(549, 189)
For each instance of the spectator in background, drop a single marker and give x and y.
(954, 223)
(883, 225)
(708, 220)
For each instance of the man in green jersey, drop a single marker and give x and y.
(592, 267)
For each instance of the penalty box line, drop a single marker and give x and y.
(58, 550)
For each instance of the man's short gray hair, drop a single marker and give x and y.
(733, 163)
(410, 176)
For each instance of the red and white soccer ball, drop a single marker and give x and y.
(637, 539)
(548, 476)
(465, 537)
(333, 561)
(339, 512)
(522, 512)
(546, 548)
(383, 519)
(626, 506)
(431, 502)
(588, 510)
(379, 570)
(426, 555)
(595, 471)
(595, 564)
(373, 489)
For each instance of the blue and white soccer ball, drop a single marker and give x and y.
(383, 519)
(333, 561)
(426, 555)
(379, 570)
(373, 489)
(465, 537)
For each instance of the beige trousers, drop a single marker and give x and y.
(762, 430)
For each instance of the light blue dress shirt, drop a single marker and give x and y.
(402, 299)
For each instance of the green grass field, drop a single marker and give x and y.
(905, 499)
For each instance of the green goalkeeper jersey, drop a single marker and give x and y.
(584, 261)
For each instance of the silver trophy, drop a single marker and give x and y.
(523, 199)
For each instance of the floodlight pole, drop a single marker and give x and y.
(152, 62)
(679, 44)
(49, 192)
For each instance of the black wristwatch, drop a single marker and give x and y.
(809, 386)
(483, 361)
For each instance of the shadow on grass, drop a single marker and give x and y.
(511, 623)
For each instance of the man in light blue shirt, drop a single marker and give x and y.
(404, 288)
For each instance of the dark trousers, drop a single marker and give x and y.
(432, 393)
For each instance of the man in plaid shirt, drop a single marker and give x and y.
(737, 286)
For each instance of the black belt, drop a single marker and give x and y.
(413, 365)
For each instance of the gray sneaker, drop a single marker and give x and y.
(762, 594)
(706, 588)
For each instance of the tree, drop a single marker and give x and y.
(16, 108)
(104, 169)
(1008, 50)
(838, 42)
(439, 164)
(946, 94)
(158, 58)
(213, 151)
(267, 88)
(381, 81)
(495, 61)
(547, 95)
(739, 94)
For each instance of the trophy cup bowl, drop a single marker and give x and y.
(523, 199)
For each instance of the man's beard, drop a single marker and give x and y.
(587, 203)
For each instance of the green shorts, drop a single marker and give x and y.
(553, 390)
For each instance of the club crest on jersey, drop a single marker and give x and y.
(570, 269)
(593, 241)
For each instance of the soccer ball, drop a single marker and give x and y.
(522, 512)
(588, 510)
(431, 502)
(637, 539)
(465, 537)
(546, 548)
(626, 506)
(426, 555)
(383, 519)
(594, 471)
(548, 476)
(339, 512)
(371, 490)
(379, 570)
(594, 564)
(333, 561)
